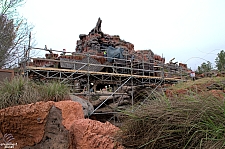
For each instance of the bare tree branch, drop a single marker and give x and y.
(14, 32)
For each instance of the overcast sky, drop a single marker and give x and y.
(183, 29)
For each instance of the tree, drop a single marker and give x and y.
(14, 33)
(205, 67)
(7, 37)
(220, 61)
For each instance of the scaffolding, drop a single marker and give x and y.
(87, 74)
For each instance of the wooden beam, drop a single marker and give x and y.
(100, 73)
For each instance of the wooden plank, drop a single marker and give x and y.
(93, 72)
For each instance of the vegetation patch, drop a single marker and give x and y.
(190, 121)
(21, 91)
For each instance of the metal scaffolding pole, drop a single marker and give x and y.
(149, 95)
(111, 95)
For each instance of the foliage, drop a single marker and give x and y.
(176, 124)
(205, 67)
(220, 61)
(54, 91)
(194, 120)
(22, 91)
(14, 33)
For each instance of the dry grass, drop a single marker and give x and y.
(190, 121)
(201, 83)
(21, 91)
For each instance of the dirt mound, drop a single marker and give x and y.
(211, 87)
(54, 125)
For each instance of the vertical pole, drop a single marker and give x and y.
(27, 55)
(29, 47)
(23, 63)
(181, 72)
(88, 84)
(132, 94)
(114, 115)
(143, 64)
(132, 91)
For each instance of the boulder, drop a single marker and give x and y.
(25, 122)
(89, 134)
(58, 125)
(87, 106)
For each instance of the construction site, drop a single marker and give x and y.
(106, 71)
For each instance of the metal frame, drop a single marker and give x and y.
(129, 74)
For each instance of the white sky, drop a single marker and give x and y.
(175, 28)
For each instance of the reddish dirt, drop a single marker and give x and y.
(217, 94)
(206, 89)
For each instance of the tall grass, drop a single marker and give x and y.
(22, 91)
(184, 122)
(54, 91)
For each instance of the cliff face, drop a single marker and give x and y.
(54, 125)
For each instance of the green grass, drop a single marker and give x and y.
(21, 91)
(54, 91)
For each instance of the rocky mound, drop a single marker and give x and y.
(213, 87)
(96, 41)
(58, 125)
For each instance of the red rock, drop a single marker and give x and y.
(70, 111)
(91, 134)
(58, 125)
(25, 122)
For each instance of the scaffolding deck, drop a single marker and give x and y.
(99, 73)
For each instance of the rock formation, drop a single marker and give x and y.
(58, 125)
(89, 134)
(96, 42)
(86, 105)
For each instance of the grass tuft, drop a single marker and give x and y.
(54, 91)
(20, 91)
